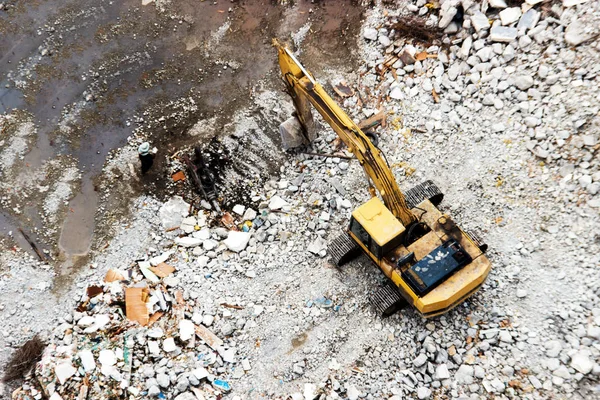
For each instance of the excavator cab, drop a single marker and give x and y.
(429, 261)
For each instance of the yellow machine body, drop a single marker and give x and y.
(382, 227)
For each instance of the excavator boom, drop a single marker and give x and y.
(301, 87)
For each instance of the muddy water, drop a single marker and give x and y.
(142, 58)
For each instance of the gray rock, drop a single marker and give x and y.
(420, 360)
(182, 384)
(464, 374)
(227, 329)
(503, 34)
(529, 19)
(163, 380)
(561, 372)
(553, 348)
(407, 57)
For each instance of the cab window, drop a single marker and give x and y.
(360, 232)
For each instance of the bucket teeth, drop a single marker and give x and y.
(342, 249)
(387, 300)
(424, 191)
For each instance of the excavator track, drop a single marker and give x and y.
(424, 191)
(387, 300)
(342, 249)
(475, 235)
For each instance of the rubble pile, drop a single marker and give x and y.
(134, 335)
(509, 62)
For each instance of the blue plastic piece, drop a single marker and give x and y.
(222, 385)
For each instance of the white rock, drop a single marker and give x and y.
(107, 357)
(575, 33)
(510, 15)
(237, 241)
(529, 19)
(420, 360)
(384, 40)
(497, 3)
(169, 345)
(86, 321)
(310, 391)
(352, 392)
(100, 321)
(521, 293)
(276, 203)
(447, 13)
(87, 360)
(503, 34)
(370, 33)
(464, 374)
(249, 215)
(523, 82)
(238, 209)
(188, 241)
(423, 393)
(64, 371)
(207, 319)
(173, 211)
(480, 21)
(396, 93)
(202, 234)
(160, 259)
(582, 363)
(441, 372)
(186, 329)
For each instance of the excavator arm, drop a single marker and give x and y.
(303, 89)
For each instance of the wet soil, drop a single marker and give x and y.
(94, 72)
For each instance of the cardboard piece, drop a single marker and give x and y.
(178, 176)
(162, 270)
(113, 275)
(135, 305)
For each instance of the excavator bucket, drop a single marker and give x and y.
(300, 129)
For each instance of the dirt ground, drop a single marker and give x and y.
(88, 74)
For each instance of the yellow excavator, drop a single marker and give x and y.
(431, 263)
